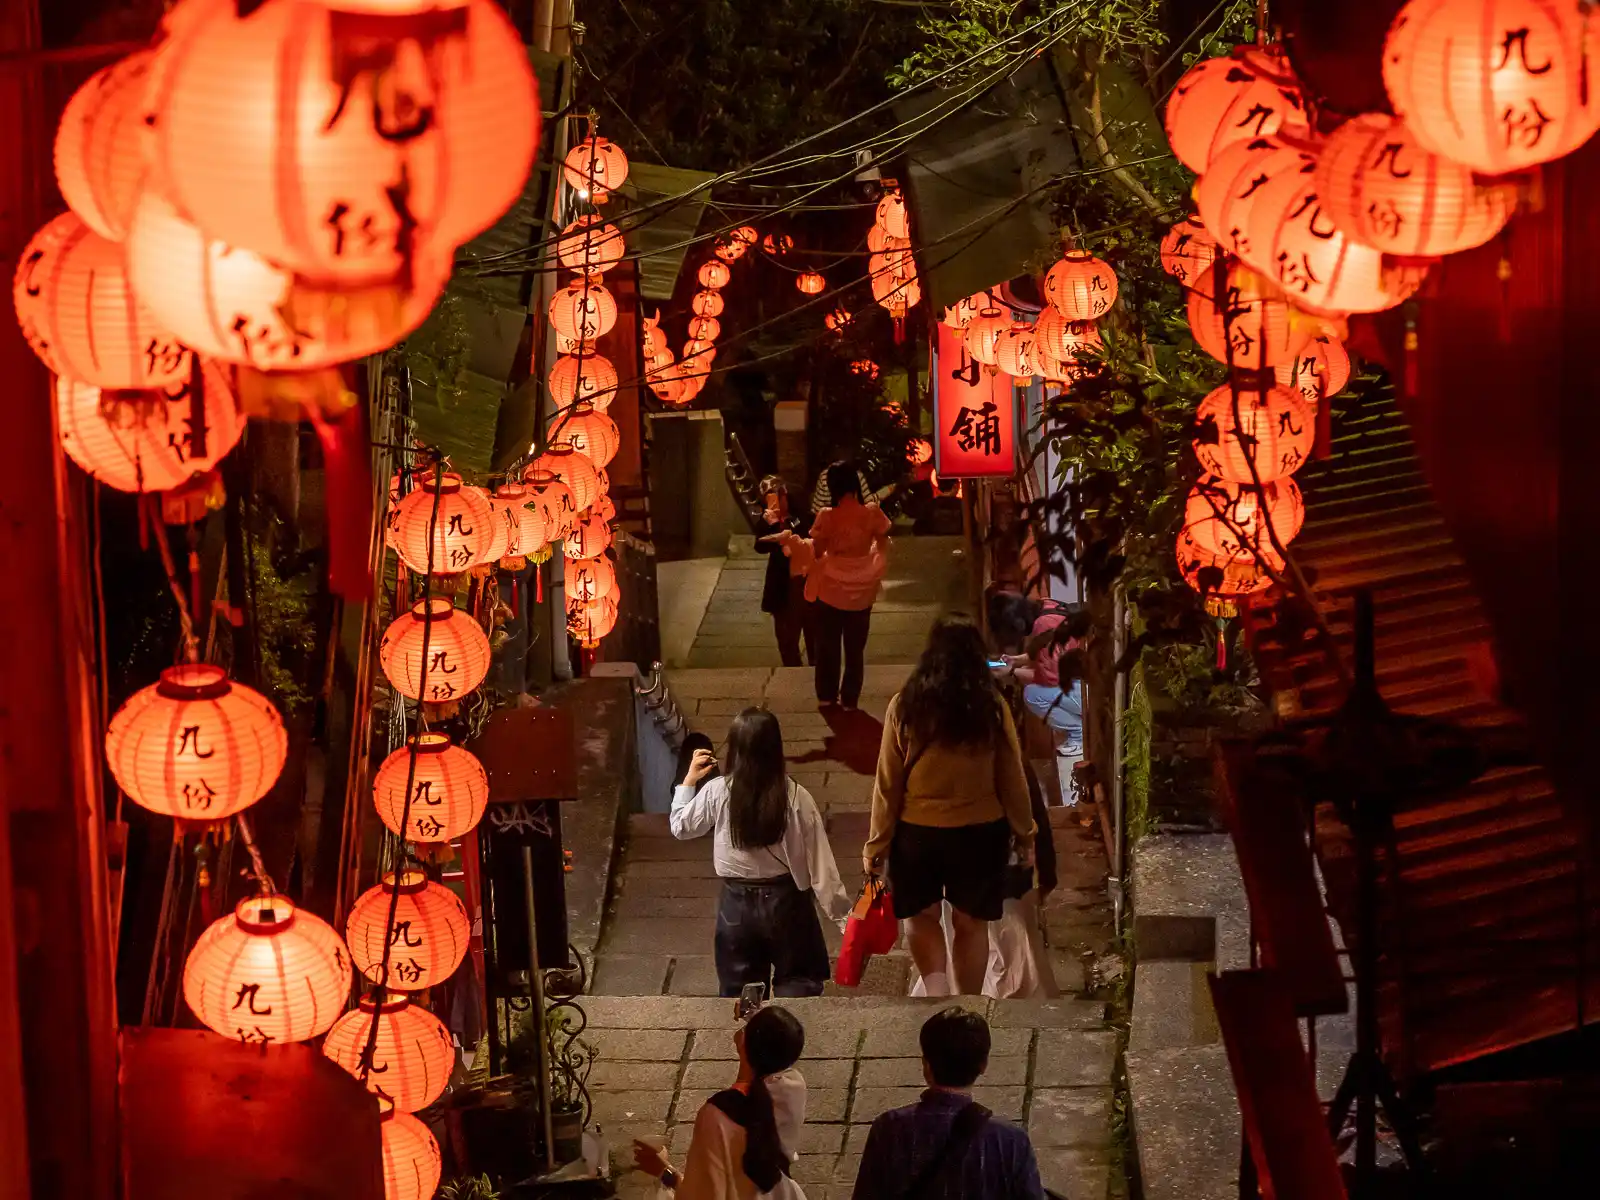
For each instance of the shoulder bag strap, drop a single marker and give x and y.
(964, 1130)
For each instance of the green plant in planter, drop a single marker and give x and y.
(470, 1187)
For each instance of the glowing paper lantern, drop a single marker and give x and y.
(441, 526)
(666, 380)
(146, 441)
(1230, 191)
(590, 537)
(411, 1159)
(1322, 368)
(714, 275)
(458, 653)
(837, 319)
(898, 263)
(707, 304)
(412, 1055)
(1250, 92)
(920, 451)
(590, 579)
(583, 310)
(99, 149)
(552, 501)
(196, 745)
(959, 315)
(729, 248)
(892, 216)
(449, 790)
(228, 303)
(1081, 287)
(526, 529)
(595, 168)
(1247, 325)
(1384, 190)
(267, 973)
(589, 246)
(592, 434)
(698, 354)
(1272, 428)
(745, 234)
(810, 283)
(605, 509)
(864, 367)
(880, 240)
(590, 622)
(79, 310)
(1187, 251)
(1496, 85)
(1234, 521)
(777, 244)
(1222, 581)
(1055, 337)
(409, 125)
(1013, 353)
(652, 342)
(572, 469)
(589, 377)
(429, 932)
(983, 334)
(705, 329)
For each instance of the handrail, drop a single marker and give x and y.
(662, 706)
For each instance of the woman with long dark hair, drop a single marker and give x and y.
(950, 806)
(746, 1137)
(772, 855)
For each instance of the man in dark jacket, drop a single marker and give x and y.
(947, 1146)
(784, 593)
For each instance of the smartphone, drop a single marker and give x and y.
(996, 664)
(751, 997)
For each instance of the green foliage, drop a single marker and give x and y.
(1137, 728)
(285, 626)
(470, 1187)
(854, 418)
(441, 351)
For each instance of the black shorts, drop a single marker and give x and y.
(965, 865)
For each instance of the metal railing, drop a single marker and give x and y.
(662, 706)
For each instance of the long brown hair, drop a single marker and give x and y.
(758, 787)
(951, 698)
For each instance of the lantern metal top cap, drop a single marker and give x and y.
(372, 1004)
(444, 484)
(264, 914)
(194, 681)
(436, 608)
(431, 743)
(510, 491)
(562, 447)
(409, 881)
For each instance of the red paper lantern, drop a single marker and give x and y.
(196, 745)
(898, 263)
(714, 275)
(747, 235)
(1222, 581)
(1384, 190)
(337, 143)
(412, 1056)
(429, 932)
(896, 294)
(605, 509)
(1248, 324)
(880, 241)
(552, 501)
(1064, 341)
(1496, 85)
(81, 314)
(698, 356)
(864, 367)
(449, 790)
(587, 378)
(959, 315)
(777, 244)
(1271, 427)
(1187, 251)
(592, 434)
(99, 152)
(707, 304)
(591, 536)
(595, 168)
(837, 319)
(666, 380)
(1244, 94)
(983, 334)
(588, 623)
(458, 653)
(729, 248)
(920, 452)
(1235, 521)
(652, 342)
(267, 973)
(1013, 352)
(1081, 287)
(583, 310)
(810, 283)
(572, 469)
(458, 522)
(145, 441)
(411, 1160)
(892, 216)
(1322, 368)
(1230, 191)
(590, 579)
(228, 303)
(705, 329)
(590, 247)
(526, 529)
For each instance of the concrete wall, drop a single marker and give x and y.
(692, 509)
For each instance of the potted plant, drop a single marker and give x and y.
(470, 1187)
(571, 1060)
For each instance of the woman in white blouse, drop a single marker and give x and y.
(772, 855)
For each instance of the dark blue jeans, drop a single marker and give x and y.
(769, 927)
(841, 629)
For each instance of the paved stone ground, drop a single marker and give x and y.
(660, 1058)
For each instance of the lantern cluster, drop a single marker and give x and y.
(891, 266)
(678, 382)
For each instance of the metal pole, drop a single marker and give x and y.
(1119, 706)
(536, 985)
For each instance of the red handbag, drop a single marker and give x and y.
(871, 929)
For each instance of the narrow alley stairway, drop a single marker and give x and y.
(660, 1058)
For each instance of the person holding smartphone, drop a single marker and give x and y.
(773, 857)
(746, 1137)
(781, 535)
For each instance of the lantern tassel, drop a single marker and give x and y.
(538, 576)
(1222, 646)
(349, 499)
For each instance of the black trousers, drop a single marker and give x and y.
(841, 629)
(795, 621)
(769, 927)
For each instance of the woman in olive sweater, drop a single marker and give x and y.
(950, 805)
